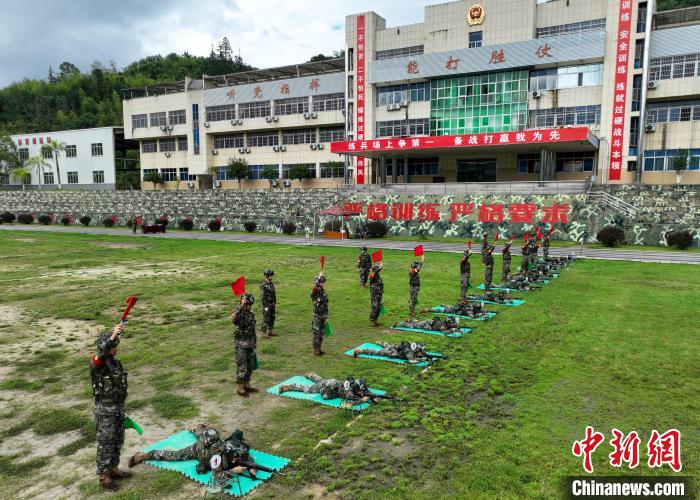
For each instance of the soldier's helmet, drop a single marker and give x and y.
(404, 345)
(101, 341)
(376, 268)
(361, 385)
(249, 298)
(269, 272)
(364, 249)
(414, 265)
(320, 280)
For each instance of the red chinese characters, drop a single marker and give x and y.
(402, 211)
(284, 88)
(377, 211)
(543, 51)
(457, 209)
(556, 213)
(354, 207)
(314, 84)
(360, 100)
(428, 211)
(257, 92)
(587, 446)
(665, 449)
(231, 94)
(497, 57)
(491, 213)
(625, 449)
(452, 63)
(522, 212)
(412, 67)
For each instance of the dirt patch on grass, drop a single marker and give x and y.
(400, 445)
(10, 313)
(29, 445)
(205, 305)
(25, 240)
(107, 244)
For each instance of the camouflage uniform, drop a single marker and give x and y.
(328, 388)
(318, 325)
(376, 290)
(246, 341)
(412, 353)
(545, 246)
(506, 263)
(525, 250)
(364, 264)
(414, 285)
(484, 247)
(488, 267)
(473, 310)
(109, 388)
(465, 273)
(268, 297)
(444, 325)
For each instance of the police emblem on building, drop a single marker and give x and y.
(475, 15)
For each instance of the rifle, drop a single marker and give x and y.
(251, 466)
(374, 396)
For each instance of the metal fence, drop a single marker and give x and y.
(475, 188)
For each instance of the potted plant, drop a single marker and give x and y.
(679, 163)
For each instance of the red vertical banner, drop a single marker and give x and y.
(360, 96)
(624, 41)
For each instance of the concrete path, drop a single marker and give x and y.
(641, 255)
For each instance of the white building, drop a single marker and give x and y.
(88, 161)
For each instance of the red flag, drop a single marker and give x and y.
(130, 301)
(496, 238)
(526, 237)
(469, 245)
(323, 260)
(539, 235)
(512, 237)
(551, 230)
(377, 256)
(238, 286)
(418, 251)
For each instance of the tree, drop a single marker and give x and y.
(23, 174)
(68, 69)
(237, 168)
(270, 173)
(225, 50)
(153, 177)
(38, 163)
(679, 163)
(56, 148)
(9, 156)
(334, 169)
(300, 172)
(337, 54)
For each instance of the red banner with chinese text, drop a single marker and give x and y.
(620, 99)
(360, 96)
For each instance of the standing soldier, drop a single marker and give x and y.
(414, 284)
(109, 387)
(268, 297)
(364, 264)
(320, 302)
(465, 269)
(376, 289)
(488, 266)
(545, 244)
(506, 261)
(524, 251)
(484, 247)
(246, 342)
(534, 247)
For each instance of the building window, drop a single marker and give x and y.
(423, 166)
(292, 106)
(543, 79)
(475, 39)
(184, 174)
(311, 167)
(559, 117)
(158, 119)
(400, 167)
(220, 113)
(529, 163)
(98, 176)
(168, 174)
(149, 146)
(71, 151)
(328, 102)
(229, 141)
(483, 103)
(563, 29)
(96, 149)
(638, 54)
(48, 177)
(636, 92)
(634, 135)
(182, 143)
(195, 128)
(46, 153)
(398, 128)
(23, 153)
(642, 17)
(167, 145)
(632, 166)
(332, 172)
(678, 111)
(72, 177)
(663, 159)
(260, 139)
(394, 94)
(402, 52)
(254, 109)
(177, 117)
(147, 171)
(666, 68)
(299, 136)
(331, 134)
(579, 161)
(139, 121)
(579, 76)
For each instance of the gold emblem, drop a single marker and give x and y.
(476, 15)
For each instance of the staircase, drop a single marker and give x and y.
(609, 201)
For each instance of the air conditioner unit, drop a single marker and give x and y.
(275, 183)
(319, 146)
(217, 184)
(215, 151)
(312, 146)
(314, 114)
(652, 85)
(307, 116)
(536, 94)
(268, 119)
(286, 183)
(241, 150)
(239, 121)
(283, 148)
(167, 154)
(234, 122)
(404, 103)
(206, 124)
(190, 184)
(247, 150)
(170, 127)
(650, 128)
(393, 107)
(162, 128)
(275, 148)
(275, 118)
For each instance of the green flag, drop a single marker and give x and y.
(130, 424)
(382, 309)
(256, 365)
(327, 331)
(417, 301)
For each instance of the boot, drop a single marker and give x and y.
(373, 322)
(285, 388)
(250, 389)
(137, 459)
(241, 391)
(318, 351)
(115, 473)
(271, 333)
(107, 482)
(354, 353)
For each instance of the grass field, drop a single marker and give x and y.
(608, 344)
